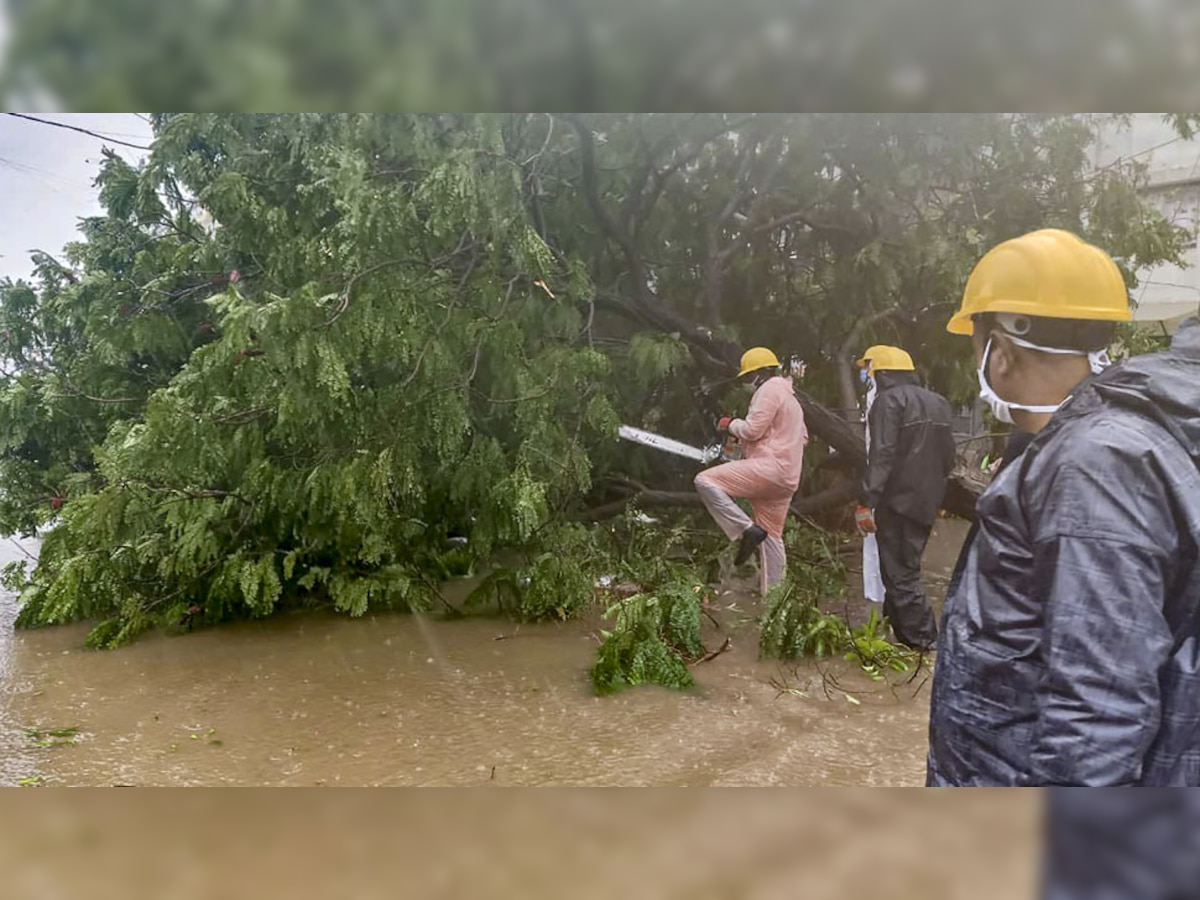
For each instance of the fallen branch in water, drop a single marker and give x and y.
(714, 654)
(924, 682)
(711, 618)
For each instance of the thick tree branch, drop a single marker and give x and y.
(845, 372)
(830, 498)
(645, 205)
(717, 353)
(802, 506)
(661, 499)
(718, 257)
(612, 228)
(834, 430)
(962, 493)
(637, 187)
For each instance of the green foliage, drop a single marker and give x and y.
(1136, 339)
(568, 563)
(874, 653)
(1186, 124)
(50, 738)
(794, 627)
(556, 587)
(651, 553)
(383, 372)
(431, 335)
(814, 566)
(652, 637)
(554, 582)
(655, 356)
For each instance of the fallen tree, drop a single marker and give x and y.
(393, 343)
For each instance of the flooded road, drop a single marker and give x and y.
(318, 699)
(17, 759)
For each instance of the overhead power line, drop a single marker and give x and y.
(94, 134)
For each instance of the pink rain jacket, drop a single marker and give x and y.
(774, 436)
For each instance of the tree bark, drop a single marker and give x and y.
(845, 371)
(962, 492)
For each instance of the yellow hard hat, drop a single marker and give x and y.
(883, 358)
(758, 358)
(1048, 273)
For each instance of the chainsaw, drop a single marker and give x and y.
(726, 448)
(722, 451)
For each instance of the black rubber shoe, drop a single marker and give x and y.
(751, 538)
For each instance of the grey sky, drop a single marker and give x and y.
(46, 178)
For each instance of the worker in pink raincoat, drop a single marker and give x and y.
(773, 436)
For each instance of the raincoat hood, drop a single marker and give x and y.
(888, 379)
(1164, 387)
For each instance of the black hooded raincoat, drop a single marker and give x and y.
(1070, 644)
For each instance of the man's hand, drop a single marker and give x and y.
(865, 519)
(723, 423)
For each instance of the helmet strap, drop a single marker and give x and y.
(1098, 360)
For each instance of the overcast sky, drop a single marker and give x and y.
(46, 176)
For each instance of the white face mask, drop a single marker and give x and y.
(1002, 409)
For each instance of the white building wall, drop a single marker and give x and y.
(1164, 293)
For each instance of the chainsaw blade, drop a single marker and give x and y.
(667, 445)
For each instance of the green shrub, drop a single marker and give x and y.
(793, 627)
(652, 638)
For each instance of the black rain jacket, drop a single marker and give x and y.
(912, 449)
(1069, 652)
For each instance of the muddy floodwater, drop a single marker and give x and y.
(319, 699)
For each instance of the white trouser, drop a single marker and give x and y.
(772, 563)
(772, 559)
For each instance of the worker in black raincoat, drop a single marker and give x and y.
(912, 452)
(1069, 651)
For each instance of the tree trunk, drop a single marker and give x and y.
(962, 492)
(845, 369)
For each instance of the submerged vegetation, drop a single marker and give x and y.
(793, 624)
(653, 637)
